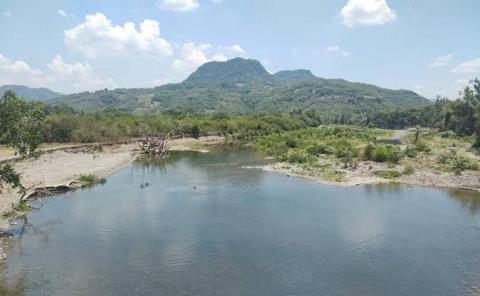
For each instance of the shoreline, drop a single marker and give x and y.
(467, 181)
(61, 167)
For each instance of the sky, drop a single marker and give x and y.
(428, 46)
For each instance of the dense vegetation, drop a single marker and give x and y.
(291, 137)
(241, 86)
(461, 116)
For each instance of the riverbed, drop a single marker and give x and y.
(204, 224)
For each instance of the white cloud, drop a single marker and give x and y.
(367, 13)
(97, 36)
(65, 13)
(19, 72)
(336, 50)
(441, 61)
(469, 67)
(7, 14)
(192, 56)
(59, 75)
(77, 77)
(178, 5)
(217, 1)
(235, 50)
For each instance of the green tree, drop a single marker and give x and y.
(21, 127)
(21, 123)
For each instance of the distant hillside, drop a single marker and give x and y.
(242, 85)
(295, 75)
(36, 94)
(237, 70)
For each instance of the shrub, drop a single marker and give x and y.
(410, 152)
(388, 174)
(291, 143)
(408, 170)
(458, 163)
(387, 153)
(368, 152)
(90, 180)
(345, 149)
(297, 156)
(422, 146)
(319, 149)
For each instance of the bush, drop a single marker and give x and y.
(408, 170)
(90, 180)
(297, 156)
(291, 143)
(387, 153)
(410, 152)
(458, 163)
(388, 174)
(368, 152)
(422, 146)
(319, 149)
(345, 149)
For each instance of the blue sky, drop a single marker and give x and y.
(429, 46)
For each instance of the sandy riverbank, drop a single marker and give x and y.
(364, 174)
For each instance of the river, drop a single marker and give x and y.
(205, 225)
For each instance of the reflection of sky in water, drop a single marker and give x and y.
(247, 232)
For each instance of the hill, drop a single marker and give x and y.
(35, 94)
(242, 85)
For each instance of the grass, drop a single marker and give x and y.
(390, 175)
(91, 180)
(22, 207)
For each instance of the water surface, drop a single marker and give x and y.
(207, 226)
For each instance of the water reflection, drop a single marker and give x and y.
(13, 288)
(206, 226)
(468, 199)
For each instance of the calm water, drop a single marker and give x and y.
(246, 232)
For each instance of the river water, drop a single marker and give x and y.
(207, 226)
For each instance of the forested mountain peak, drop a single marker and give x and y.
(232, 71)
(244, 86)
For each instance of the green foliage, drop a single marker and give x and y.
(243, 86)
(9, 176)
(23, 207)
(410, 151)
(458, 163)
(297, 156)
(388, 174)
(387, 153)
(317, 149)
(368, 152)
(90, 180)
(21, 123)
(408, 170)
(460, 117)
(21, 127)
(306, 145)
(422, 146)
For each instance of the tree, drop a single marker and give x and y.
(21, 123)
(21, 127)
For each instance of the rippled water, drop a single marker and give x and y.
(206, 226)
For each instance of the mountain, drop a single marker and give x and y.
(237, 70)
(35, 94)
(295, 75)
(243, 85)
